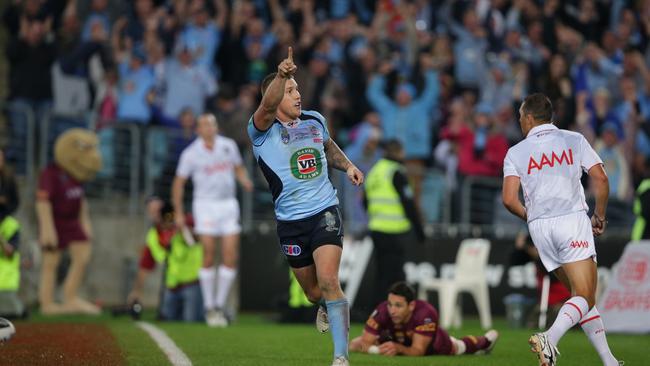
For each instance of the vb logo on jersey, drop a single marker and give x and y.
(306, 163)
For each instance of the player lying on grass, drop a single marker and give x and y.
(403, 325)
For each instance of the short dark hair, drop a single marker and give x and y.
(267, 81)
(167, 211)
(402, 289)
(539, 106)
(392, 148)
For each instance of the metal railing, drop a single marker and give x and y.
(141, 161)
(477, 199)
(163, 146)
(25, 158)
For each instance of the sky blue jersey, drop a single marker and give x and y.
(292, 158)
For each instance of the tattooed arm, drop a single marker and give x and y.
(337, 159)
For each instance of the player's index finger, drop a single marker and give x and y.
(290, 56)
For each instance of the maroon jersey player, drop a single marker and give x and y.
(403, 325)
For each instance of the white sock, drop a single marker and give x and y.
(225, 280)
(460, 346)
(569, 315)
(207, 278)
(593, 327)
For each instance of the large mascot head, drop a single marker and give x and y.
(77, 152)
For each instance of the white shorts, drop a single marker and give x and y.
(563, 239)
(216, 217)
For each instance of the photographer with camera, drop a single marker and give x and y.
(182, 300)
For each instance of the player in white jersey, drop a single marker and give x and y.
(548, 165)
(213, 163)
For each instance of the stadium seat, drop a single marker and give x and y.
(470, 275)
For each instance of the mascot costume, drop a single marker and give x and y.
(63, 219)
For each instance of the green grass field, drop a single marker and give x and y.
(255, 341)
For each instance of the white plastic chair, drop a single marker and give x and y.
(470, 276)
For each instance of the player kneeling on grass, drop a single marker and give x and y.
(403, 325)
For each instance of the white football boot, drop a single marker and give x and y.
(341, 361)
(545, 351)
(7, 330)
(322, 322)
(492, 336)
(216, 319)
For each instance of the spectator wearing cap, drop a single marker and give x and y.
(407, 118)
(611, 152)
(187, 84)
(136, 80)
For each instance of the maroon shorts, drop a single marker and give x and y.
(69, 231)
(442, 343)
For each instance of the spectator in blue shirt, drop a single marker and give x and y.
(593, 70)
(407, 119)
(186, 83)
(203, 34)
(469, 50)
(136, 79)
(98, 16)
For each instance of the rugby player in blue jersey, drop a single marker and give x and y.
(293, 149)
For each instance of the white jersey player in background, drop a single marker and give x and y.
(548, 164)
(213, 162)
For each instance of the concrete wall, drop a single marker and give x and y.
(118, 240)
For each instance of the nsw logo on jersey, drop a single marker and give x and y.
(306, 163)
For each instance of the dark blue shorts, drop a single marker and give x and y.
(300, 238)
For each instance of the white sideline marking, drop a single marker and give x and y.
(175, 355)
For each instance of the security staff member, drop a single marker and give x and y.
(641, 229)
(392, 215)
(10, 305)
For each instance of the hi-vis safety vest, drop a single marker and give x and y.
(385, 211)
(297, 297)
(183, 261)
(640, 225)
(9, 266)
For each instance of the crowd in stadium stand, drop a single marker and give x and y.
(443, 77)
